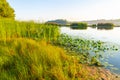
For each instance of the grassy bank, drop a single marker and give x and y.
(27, 59)
(26, 53)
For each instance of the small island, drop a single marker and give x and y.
(80, 25)
(105, 26)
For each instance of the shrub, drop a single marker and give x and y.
(105, 25)
(93, 25)
(79, 25)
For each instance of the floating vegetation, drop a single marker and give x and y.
(89, 51)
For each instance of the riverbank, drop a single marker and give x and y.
(27, 53)
(104, 74)
(116, 77)
(112, 76)
(28, 59)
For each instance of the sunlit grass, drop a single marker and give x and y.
(13, 29)
(27, 59)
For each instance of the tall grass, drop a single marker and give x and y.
(12, 29)
(27, 59)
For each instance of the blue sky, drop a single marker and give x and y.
(72, 10)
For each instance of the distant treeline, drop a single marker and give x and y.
(82, 25)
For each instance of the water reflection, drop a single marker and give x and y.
(93, 33)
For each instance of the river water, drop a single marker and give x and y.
(110, 36)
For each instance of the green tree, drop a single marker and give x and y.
(6, 11)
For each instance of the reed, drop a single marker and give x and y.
(17, 29)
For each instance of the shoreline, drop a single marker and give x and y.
(102, 73)
(108, 75)
(115, 76)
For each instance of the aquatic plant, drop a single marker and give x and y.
(89, 51)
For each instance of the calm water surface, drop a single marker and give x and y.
(111, 36)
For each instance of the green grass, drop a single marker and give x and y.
(27, 59)
(13, 29)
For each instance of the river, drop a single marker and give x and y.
(110, 36)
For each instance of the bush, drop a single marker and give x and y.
(79, 25)
(105, 25)
(93, 25)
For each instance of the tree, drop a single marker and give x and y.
(5, 10)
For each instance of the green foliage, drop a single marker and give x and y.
(105, 25)
(89, 51)
(27, 59)
(93, 25)
(79, 25)
(5, 10)
(37, 31)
